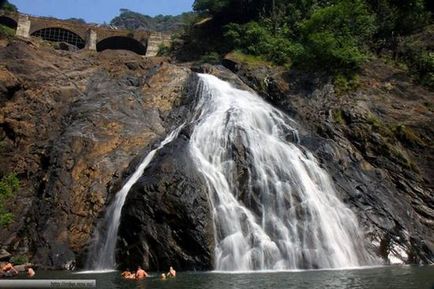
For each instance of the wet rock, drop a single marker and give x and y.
(166, 220)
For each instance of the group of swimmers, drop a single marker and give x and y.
(8, 270)
(141, 274)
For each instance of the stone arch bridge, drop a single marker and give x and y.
(84, 36)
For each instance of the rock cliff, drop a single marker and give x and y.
(70, 125)
(74, 125)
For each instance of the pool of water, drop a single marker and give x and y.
(393, 277)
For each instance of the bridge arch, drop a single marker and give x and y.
(57, 34)
(121, 42)
(9, 22)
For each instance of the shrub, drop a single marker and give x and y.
(419, 59)
(251, 38)
(9, 185)
(334, 36)
(211, 58)
(6, 31)
(20, 260)
(251, 60)
(345, 83)
(164, 50)
(254, 38)
(211, 6)
(407, 136)
(424, 67)
(338, 116)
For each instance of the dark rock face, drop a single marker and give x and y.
(376, 143)
(166, 219)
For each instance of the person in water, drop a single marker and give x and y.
(132, 275)
(140, 273)
(126, 274)
(30, 272)
(8, 270)
(172, 272)
(163, 276)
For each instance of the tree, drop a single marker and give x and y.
(335, 36)
(5, 5)
(399, 17)
(76, 20)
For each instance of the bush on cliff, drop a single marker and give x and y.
(335, 35)
(332, 37)
(9, 185)
(417, 53)
(255, 39)
(6, 31)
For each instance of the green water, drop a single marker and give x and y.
(393, 277)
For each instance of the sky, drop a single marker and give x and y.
(100, 11)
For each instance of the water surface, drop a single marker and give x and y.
(392, 277)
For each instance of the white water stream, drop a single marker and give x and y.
(279, 210)
(102, 253)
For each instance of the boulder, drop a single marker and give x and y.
(166, 220)
(4, 255)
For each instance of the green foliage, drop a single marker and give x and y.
(345, 83)
(211, 6)
(378, 126)
(254, 39)
(419, 58)
(164, 50)
(423, 66)
(334, 36)
(76, 20)
(338, 116)
(9, 185)
(251, 60)
(397, 17)
(6, 31)
(19, 260)
(5, 5)
(132, 20)
(407, 136)
(211, 58)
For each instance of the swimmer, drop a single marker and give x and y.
(126, 273)
(30, 272)
(172, 272)
(141, 274)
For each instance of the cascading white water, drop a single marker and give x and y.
(102, 256)
(278, 211)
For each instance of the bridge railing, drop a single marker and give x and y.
(48, 18)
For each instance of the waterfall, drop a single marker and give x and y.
(273, 207)
(102, 252)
